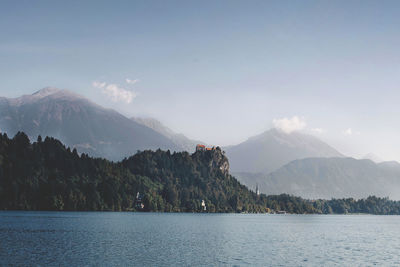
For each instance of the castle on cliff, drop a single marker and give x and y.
(204, 148)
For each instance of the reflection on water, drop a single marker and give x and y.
(158, 239)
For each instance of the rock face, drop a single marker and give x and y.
(216, 160)
(220, 161)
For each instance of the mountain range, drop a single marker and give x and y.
(278, 162)
(326, 178)
(102, 132)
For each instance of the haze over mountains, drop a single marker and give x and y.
(179, 140)
(278, 162)
(78, 123)
(373, 157)
(274, 148)
(102, 132)
(328, 178)
(302, 165)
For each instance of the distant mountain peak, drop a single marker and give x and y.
(281, 131)
(54, 92)
(46, 92)
(272, 149)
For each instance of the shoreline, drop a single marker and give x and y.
(198, 213)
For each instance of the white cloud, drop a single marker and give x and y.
(99, 84)
(289, 125)
(318, 130)
(350, 131)
(129, 81)
(119, 94)
(115, 92)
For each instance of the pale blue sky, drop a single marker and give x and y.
(219, 71)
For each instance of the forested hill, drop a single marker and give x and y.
(45, 175)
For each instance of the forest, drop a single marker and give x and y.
(46, 175)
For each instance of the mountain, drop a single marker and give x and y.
(373, 157)
(78, 123)
(331, 178)
(272, 149)
(178, 139)
(390, 166)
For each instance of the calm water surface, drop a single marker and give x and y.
(152, 239)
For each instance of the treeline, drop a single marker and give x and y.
(370, 205)
(45, 175)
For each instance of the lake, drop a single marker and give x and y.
(162, 239)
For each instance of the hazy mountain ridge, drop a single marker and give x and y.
(272, 149)
(103, 132)
(330, 178)
(79, 123)
(178, 139)
(373, 157)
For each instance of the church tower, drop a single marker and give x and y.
(257, 190)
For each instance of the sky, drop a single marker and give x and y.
(219, 71)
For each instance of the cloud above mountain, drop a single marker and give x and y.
(350, 131)
(318, 130)
(289, 125)
(115, 92)
(130, 81)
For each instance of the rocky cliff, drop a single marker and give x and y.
(215, 159)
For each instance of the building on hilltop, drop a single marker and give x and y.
(204, 148)
(200, 148)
